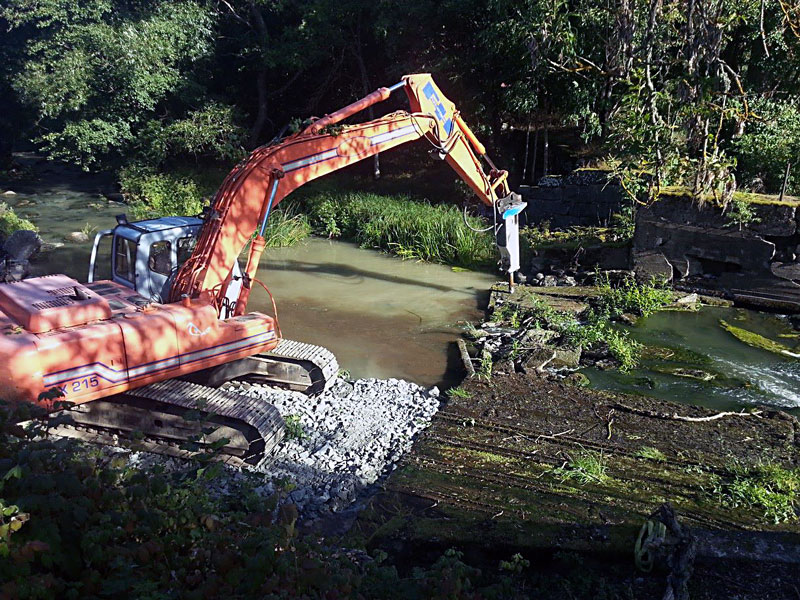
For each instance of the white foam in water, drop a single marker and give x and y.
(781, 386)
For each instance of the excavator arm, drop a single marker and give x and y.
(243, 203)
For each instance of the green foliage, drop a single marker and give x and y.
(651, 453)
(287, 226)
(593, 331)
(484, 370)
(11, 222)
(294, 428)
(402, 226)
(541, 236)
(77, 522)
(584, 467)
(766, 486)
(632, 297)
(151, 194)
(97, 75)
(459, 392)
(516, 565)
(770, 140)
(210, 131)
(597, 330)
(741, 213)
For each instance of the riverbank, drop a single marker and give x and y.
(518, 461)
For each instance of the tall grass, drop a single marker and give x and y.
(287, 225)
(403, 226)
(394, 223)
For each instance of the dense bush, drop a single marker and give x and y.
(211, 131)
(11, 222)
(403, 226)
(768, 144)
(153, 194)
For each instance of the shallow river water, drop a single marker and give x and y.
(381, 316)
(694, 346)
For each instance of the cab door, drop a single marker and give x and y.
(124, 261)
(160, 268)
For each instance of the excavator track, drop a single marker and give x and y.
(174, 417)
(291, 365)
(322, 363)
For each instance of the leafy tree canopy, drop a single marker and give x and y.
(690, 92)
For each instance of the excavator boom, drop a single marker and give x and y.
(255, 187)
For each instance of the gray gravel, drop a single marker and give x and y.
(350, 437)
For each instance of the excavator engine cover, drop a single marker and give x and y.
(43, 304)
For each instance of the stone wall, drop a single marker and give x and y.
(583, 198)
(678, 239)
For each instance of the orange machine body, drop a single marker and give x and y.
(94, 340)
(100, 339)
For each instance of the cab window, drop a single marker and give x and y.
(160, 260)
(124, 258)
(185, 248)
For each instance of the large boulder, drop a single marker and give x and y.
(22, 245)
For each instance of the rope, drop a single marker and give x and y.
(471, 228)
(274, 307)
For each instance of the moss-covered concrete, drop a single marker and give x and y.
(749, 197)
(492, 470)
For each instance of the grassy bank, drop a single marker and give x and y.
(393, 223)
(403, 226)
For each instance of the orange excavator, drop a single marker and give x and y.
(135, 353)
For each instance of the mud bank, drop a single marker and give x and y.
(498, 471)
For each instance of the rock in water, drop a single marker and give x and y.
(22, 245)
(77, 237)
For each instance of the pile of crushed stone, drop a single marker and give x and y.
(344, 440)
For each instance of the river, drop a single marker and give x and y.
(380, 315)
(697, 361)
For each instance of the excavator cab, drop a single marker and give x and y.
(146, 255)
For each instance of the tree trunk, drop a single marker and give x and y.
(546, 152)
(261, 80)
(527, 145)
(261, 115)
(535, 152)
(362, 67)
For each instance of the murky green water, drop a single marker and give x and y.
(695, 347)
(381, 316)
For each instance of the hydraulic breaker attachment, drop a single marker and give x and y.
(507, 238)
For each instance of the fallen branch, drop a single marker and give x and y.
(676, 417)
(462, 349)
